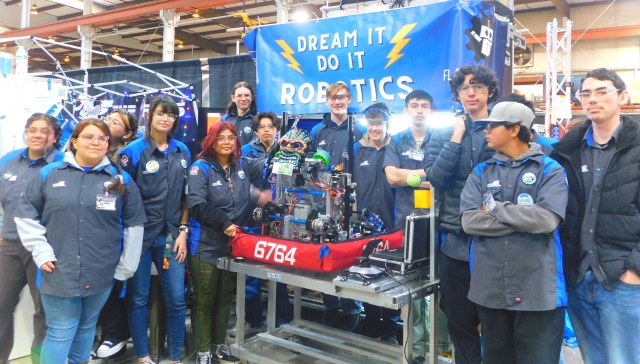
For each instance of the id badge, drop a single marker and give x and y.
(106, 202)
(488, 200)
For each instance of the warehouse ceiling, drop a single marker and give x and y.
(133, 31)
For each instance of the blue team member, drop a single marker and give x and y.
(266, 125)
(405, 154)
(452, 154)
(241, 110)
(546, 143)
(332, 136)
(17, 168)
(219, 202)
(158, 163)
(513, 204)
(113, 317)
(602, 231)
(82, 220)
(375, 194)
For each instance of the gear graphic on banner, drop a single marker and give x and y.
(480, 38)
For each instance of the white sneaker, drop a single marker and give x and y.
(204, 357)
(109, 348)
(248, 330)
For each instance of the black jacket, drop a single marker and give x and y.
(617, 230)
(447, 166)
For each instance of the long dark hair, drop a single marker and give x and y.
(167, 105)
(210, 141)
(118, 183)
(232, 107)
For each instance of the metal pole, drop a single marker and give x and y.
(25, 14)
(170, 20)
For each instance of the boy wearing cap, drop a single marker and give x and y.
(513, 204)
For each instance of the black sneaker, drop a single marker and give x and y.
(223, 354)
(204, 357)
(112, 349)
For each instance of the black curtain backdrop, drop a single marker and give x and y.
(224, 72)
(188, 71)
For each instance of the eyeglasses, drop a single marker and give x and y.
(36, 131)
(599, 94)
(335, 98)
(376, 122)
(266, 126)
(113, 122)
(230, 139)
(245, 96)
(90, 138)
(162, 115)
(493, 125)
(466, 87)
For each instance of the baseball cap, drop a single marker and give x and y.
(510, 113)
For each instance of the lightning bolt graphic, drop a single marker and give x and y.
(288, 55)
(400, 42)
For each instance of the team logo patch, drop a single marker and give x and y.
(216, 183)
(247, 130)
(124, 160)
(585, 169)
(242, 175)
(59, 184)
(495, 183)
(365, 163)
(529, 178)
(194, 171)
(183, 163)
(525, 199)
(152, 166)
(7, 176)
(322, 143)
(13, 178)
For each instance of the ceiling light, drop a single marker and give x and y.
(67, 59)
(181, 44)
(116, 53)
(34, 9)
(300, 16)
(195, 14)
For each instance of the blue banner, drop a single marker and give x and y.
(381, 56)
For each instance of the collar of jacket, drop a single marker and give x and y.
(571, 143)
(218, 167)
(326, 120)
(234, 112)
(534, 153)
(49, 156)
(366, 141)
(70, 160)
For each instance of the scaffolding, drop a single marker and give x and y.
(558, 91)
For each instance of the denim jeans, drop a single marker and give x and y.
(607, 324)
(348, 306)
(172, 283)
(72, 324)
(254, 308)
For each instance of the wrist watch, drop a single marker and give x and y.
(184, 228)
